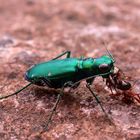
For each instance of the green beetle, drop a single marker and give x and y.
(59, 72)
(68, 72)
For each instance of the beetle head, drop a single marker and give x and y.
(104, 64)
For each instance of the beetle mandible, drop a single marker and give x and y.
(68, 72)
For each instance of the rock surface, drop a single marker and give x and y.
(33, 31)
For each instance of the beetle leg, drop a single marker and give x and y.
(47, 82)
(52, 112)
(15, 93)
(72, 85)
(96, 97)
(90, 81)
(98, 101)
(54, 108)
(67, 56)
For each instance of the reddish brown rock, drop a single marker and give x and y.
(33, 31)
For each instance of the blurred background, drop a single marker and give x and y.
(32, 31)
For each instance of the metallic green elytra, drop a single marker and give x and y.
(55, 73)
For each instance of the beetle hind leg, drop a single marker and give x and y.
(98, 101)
(68, 53)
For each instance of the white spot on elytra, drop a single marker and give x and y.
(49, 74)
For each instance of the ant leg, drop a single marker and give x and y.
(97, 99)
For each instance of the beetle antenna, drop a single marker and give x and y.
(15, 93)
(105, 45)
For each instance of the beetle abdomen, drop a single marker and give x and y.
(56, 71)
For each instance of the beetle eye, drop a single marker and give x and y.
(104, 67)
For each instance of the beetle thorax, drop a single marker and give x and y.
(99, 65)
(88, 63)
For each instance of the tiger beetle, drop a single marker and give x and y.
(68, 72)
